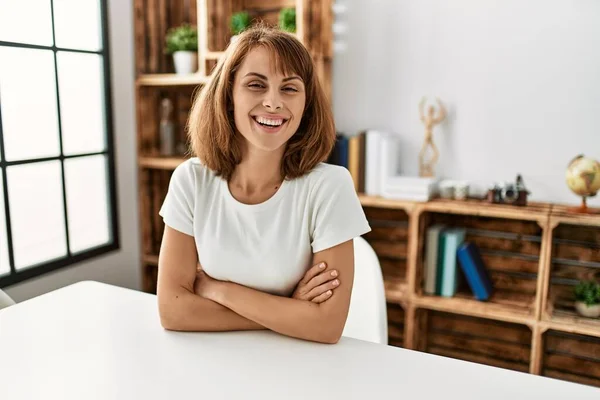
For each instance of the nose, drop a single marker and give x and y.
(272, 100)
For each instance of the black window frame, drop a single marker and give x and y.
(70, 259)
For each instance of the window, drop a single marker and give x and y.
(57, 177)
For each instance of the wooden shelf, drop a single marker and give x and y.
(171, 80)
(167, 163)
(572, 323)
(396, 291)
(380, 202)
(474, 308)
(150, 259)
(475, 207)
(213, 55)
(567, 215)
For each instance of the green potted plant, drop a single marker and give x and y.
(240, 21)
(587, 299)
(287, 20)
(182, 43)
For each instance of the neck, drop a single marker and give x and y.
(259, 170)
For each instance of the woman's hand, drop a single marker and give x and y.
(204, 285)
(317, 285)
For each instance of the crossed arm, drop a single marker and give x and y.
(186, 303)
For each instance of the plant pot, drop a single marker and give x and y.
(592, 311)
(186, 62)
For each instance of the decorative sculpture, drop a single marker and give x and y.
(429, 120)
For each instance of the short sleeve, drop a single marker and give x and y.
(338, 215)
(178, 207)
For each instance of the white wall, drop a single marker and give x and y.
(119, 268)
(521, 79)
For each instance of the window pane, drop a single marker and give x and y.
(36, 213)
(77, 24)
(87, 202)
(28, 98)
(26, 21)
(4, 266)
(80, 83)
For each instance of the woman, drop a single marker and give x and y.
(258, 207)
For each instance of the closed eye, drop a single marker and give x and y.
(256, 85)
(290, 89)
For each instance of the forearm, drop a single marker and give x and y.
(186, 311)
(288, 316)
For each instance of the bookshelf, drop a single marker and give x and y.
(535, 255)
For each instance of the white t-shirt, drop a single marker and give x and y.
(266, 246)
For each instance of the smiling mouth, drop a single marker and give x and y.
(269, 125)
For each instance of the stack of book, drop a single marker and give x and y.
(449, 260)
(372, 159)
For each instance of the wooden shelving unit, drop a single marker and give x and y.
(535, 256)
(534, 253)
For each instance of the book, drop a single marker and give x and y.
(431, 257)
(356, 160)
(373, 163)
(339, 153)
(453, 238)
(474, 270)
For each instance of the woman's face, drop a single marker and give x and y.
(267, 106)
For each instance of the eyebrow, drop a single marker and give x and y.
(289, 78)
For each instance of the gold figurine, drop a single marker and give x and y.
(429, 120)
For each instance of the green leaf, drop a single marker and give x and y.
(240, 21)
(182, 38)
(587, 292)
(287, 19)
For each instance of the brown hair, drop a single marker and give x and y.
(211, 128)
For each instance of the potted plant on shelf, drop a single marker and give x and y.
(239, 22)
(587, 299)
(287, 20)
(182, 43)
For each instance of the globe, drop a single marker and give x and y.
(583, 177)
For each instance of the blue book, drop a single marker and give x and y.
(474, 270)
(452, 239)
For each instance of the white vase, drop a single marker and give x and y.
(592, 311)
(186, 62)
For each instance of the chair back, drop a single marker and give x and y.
(367, 316)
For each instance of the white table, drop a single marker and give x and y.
(95, 341)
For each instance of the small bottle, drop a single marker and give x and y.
(167, 128)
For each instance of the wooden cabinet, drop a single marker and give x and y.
(535, 256)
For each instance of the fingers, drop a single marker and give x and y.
(323, 288)
(311, 273)
(321, 279)
(322, 297)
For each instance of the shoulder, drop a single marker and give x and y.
(192, 173)
(328, 176)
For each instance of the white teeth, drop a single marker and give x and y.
(271, 122)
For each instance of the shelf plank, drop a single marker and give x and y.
(396, 291)
(151, 259)
(381, 202)
(171, 80)
(531, 212)
(572, 323)
(474, 308)
(167, 163)
(213, 55)
(567, 215)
